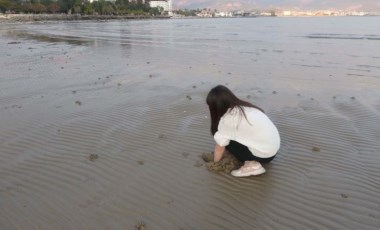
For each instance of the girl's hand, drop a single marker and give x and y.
(218, 153)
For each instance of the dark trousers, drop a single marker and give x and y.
(242, 153)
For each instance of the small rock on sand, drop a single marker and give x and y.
(343, 195)
(141, 162)
(78, 102)
(188, 97)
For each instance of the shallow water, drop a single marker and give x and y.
(102, 123)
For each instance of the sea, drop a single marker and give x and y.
(265, 47)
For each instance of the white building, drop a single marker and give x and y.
(165, 4)
(223, 14)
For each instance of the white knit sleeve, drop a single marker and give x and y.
(221, 139)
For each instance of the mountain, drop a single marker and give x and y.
(368, 5)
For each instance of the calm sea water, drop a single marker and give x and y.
(272, 51)
(236, 34)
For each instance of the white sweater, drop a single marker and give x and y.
(259, 134)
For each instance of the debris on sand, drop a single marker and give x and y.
(78, 102)
(141, 162)
(12, 43)
(225, 165)
(93, 157)
(188, 97)
(343, 195)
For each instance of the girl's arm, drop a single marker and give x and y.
(218, 153)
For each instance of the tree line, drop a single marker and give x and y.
(85, 7)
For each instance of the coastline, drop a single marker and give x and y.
(70, 17)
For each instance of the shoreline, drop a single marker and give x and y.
(70, 17)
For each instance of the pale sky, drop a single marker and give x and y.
(370, 5)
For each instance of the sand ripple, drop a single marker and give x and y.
(128, 151)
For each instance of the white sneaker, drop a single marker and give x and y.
(250, 168)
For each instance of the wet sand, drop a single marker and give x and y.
(103, 135)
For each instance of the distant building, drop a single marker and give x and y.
(142, 1)
(205, 13)
(223, 14)
(165, 4)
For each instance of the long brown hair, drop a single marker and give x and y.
(219, 100)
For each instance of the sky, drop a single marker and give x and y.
(369, 5)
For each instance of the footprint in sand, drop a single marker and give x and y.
(198, 164)
(140, 226)
(162, 137)
(315, 149)
(93, 157)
